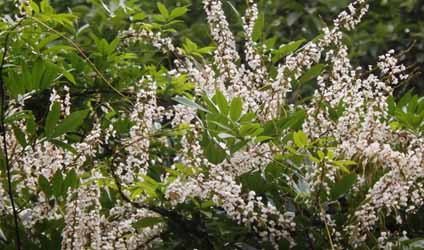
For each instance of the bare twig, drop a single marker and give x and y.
(3, 134)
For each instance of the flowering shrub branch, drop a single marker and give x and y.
(212, 147)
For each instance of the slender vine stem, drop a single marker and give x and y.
(3, 134)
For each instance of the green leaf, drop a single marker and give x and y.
(18, 116)
(45, 7)
(52, 119)
(314, 159)
(313, 72)
(225, 136)
(152, 182)
(412, 244)
(159, 18)
(63, 145)
(177, 12)
(343, 164)
(207, 204)
(183, 169)
(236, 107)
(62, 18)
(69, 76)
(190, 103)
(221, 101)
(147, 187)
(136, 192)
(113, 45)
(286, 50)
(31, 125)
(236, 12)
(330, 155)
(249, 129)
(34, 7)
(42, 75)
(57, 184)
(206, 50)
(163, 10)
(139, 16)
(44, 185)
(189, 45)
(211, 105)
(254, 181)
(260, 139)
(70, 123)
(215, 153)
(258, 28)
(148, 222)
(270, 42)
(20, 136)
(47, 40)
(343, 186)
(222, 126)
(71, 180)
(2, 235)
(300, 139)
(321, 155)
(248, 117)
(15, 83)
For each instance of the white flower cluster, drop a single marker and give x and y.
(226, 55)
(220, 186)
(265, 219)
(362, 135)
(144, 115)
(349, 19)
(83, 221)
(252, 158)
(163, 44)
(86, 228)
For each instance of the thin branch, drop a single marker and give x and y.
(3, 134)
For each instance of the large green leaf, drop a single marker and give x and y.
(189, 103)
(300, 139)
(52, 119)
(236, 108)
(215, 153)
(71, 180)
(287, 49)
(342, 186)
(177, 12)
(221, 101)
(70, 123)
(44, 185)
(57, 184)
(258, 28)
(313, 72)
(148, 222)
(163, 10)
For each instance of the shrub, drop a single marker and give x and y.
(202, 147)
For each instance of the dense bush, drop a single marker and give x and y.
(126, 126)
